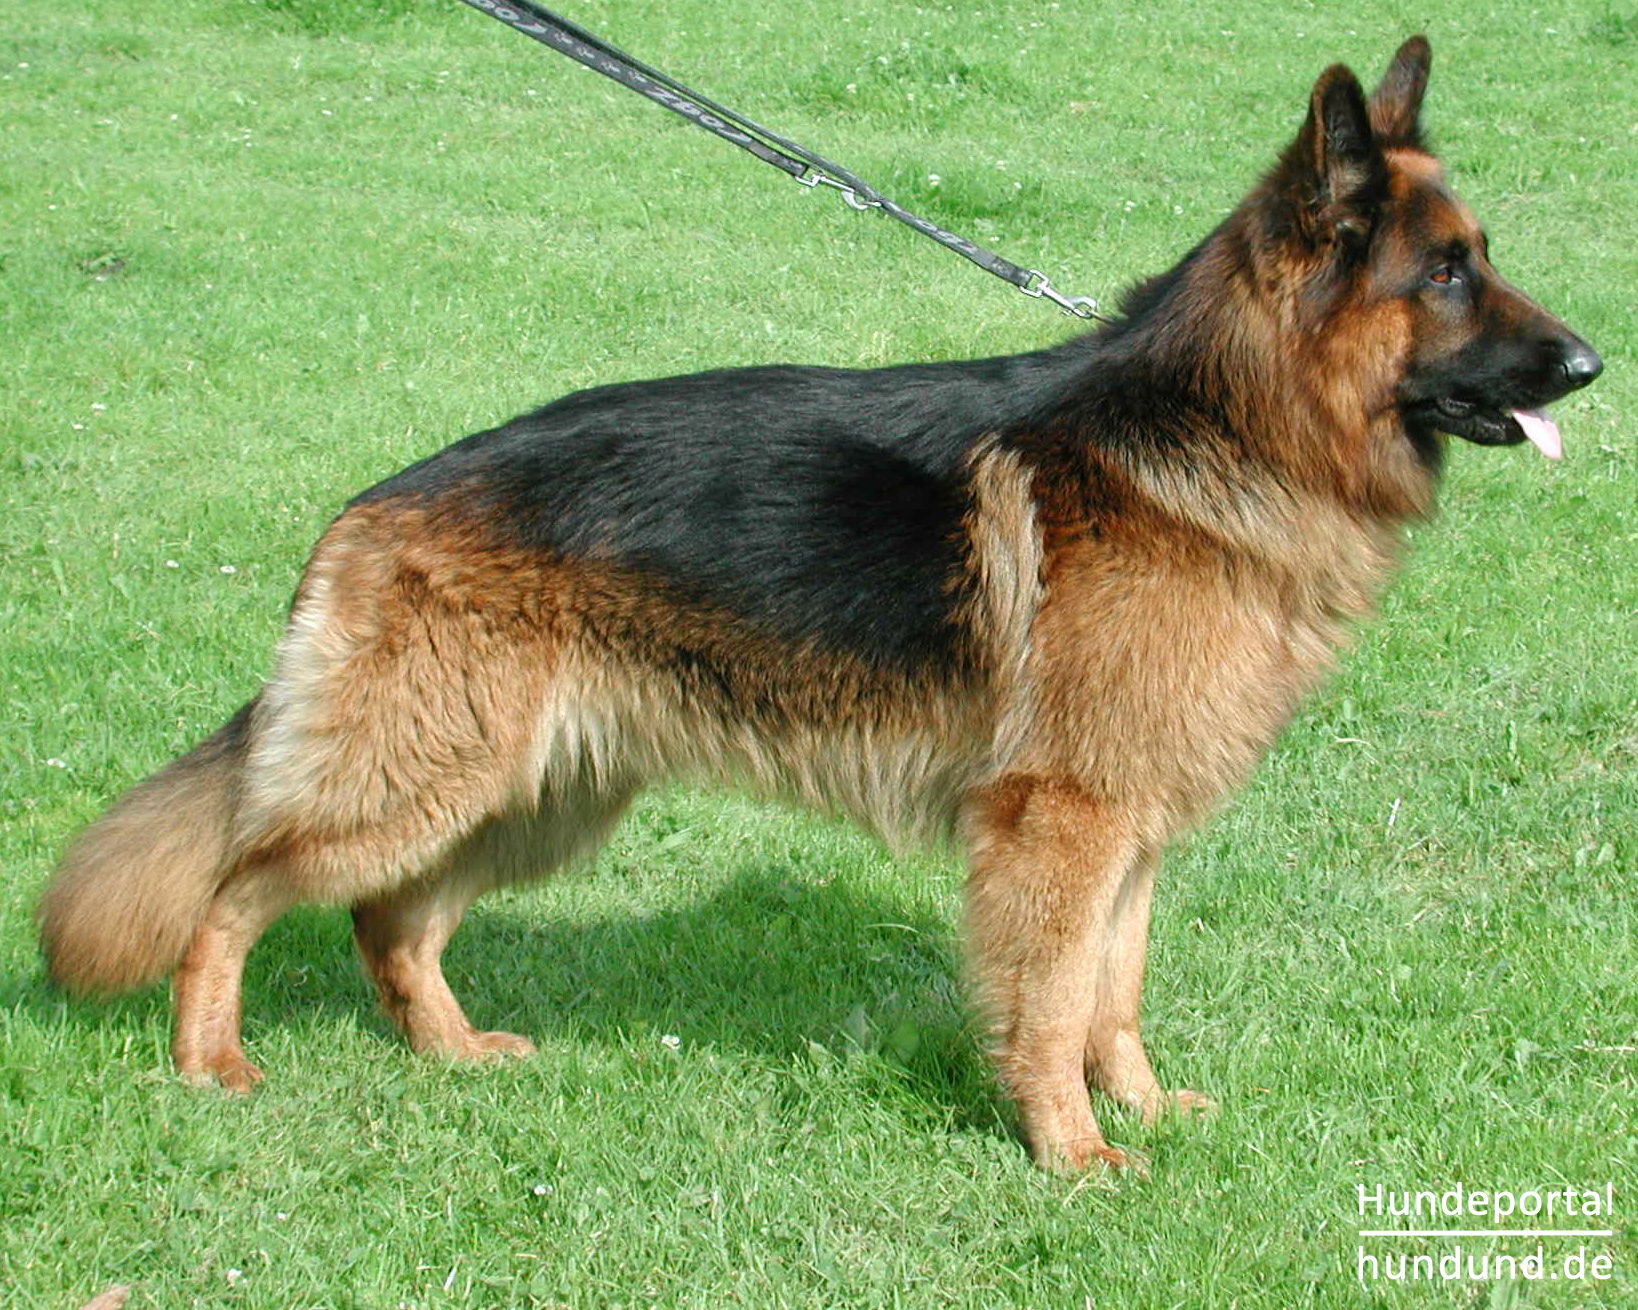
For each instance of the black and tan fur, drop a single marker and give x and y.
(1054, 605)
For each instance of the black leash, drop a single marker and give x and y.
(806, 167)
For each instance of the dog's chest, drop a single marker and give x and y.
(1162, 675)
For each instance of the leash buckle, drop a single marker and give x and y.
(1040, 285)
(816, 178)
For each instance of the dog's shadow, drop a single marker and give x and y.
(770, 965)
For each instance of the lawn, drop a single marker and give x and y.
(256, 256)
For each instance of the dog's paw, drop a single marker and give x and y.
(494, 1046)
(1183, 1103)
(1069, 1159)
(1119, 1159)
(228, 1070)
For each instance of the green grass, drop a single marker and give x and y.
(256, 256)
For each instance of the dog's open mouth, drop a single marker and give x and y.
(1493, 427)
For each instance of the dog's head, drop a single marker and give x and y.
(1384, 236)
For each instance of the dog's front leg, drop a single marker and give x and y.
(1116, 1062)
(1050, 868)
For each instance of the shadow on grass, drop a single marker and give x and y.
(769, 966)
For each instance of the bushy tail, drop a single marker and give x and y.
(134, 886)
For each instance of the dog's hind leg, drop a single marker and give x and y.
(1116, 1062)
(401, 939)
(401, 936)
(1048, 863)
(206, 988)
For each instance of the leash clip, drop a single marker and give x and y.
(1040, 285)
(849, 194)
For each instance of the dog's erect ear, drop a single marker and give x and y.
(1336, 162)
(1396, 104)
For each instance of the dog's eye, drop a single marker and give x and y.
(1444, 276)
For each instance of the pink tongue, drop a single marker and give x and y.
(1541, 430)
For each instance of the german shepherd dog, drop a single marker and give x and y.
(1053, 605)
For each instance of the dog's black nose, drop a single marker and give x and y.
(1581, 364)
